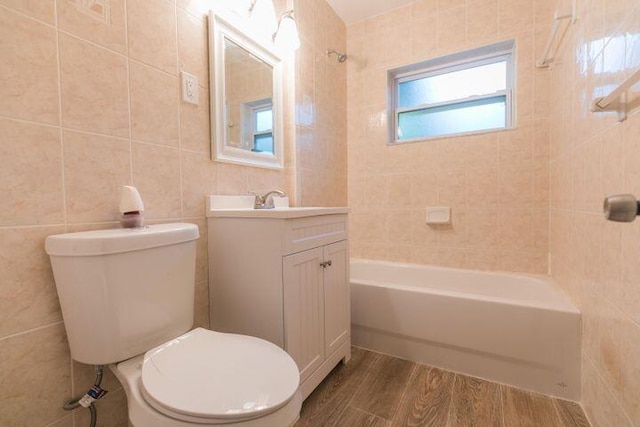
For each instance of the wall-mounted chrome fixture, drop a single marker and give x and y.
(341, 57)
(283, 32)
(286, 37)
(621, 208)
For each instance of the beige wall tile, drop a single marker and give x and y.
(630, 378)
(451, 29)
(198, 180)
(94, 88)
(28, 70)
(482, 21)
(195, 124)
(64, 422)
(595, 259)
(110, 33)
(156, 174)
(44, 10)
(28, 297)
(96, 167)
(31, 174)
(601, 407)
(264, 180)
(482, 228)
(202, 263)
(479, 172)
(36, 366)
(152, 33)
(232, 179)
(201, 309)
(515, 15)
(483, 260)
(193, 46)
(399, 228)
(154, 105)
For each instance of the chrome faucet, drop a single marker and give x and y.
(266, 201)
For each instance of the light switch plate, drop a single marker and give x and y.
(189, 88)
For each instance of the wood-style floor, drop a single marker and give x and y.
(377, 390)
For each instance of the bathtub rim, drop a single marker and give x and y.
(565, 304)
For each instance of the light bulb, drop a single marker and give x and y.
(287, 38)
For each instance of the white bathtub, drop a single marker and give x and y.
(514, 329)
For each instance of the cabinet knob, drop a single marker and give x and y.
(325, 264)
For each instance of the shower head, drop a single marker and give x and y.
(341, 57)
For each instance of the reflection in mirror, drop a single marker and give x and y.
(248, 100)
(246, 95)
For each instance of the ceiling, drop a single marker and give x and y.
(357, 10)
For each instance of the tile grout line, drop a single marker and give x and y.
(178, 110)
(63, 183)
(28, 331)
(126, 42)
(608, 390)
(25, 15)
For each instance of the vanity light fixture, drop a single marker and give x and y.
(262, 14)
(286, 37)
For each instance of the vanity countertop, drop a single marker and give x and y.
(242, 207)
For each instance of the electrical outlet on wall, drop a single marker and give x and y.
(189, 88)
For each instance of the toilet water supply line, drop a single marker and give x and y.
(86, 401)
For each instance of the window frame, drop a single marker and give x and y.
(499, 52)
(249, 111)
(254, 125)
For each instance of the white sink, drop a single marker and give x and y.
(242, 207)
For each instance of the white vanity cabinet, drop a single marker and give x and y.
(283, 275)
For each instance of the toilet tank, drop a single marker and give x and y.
(124, 291)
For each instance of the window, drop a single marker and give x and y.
(258, 131)
(457, 94)
(263, 129)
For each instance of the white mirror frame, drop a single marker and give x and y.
(235, 29)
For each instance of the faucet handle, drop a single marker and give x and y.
(258, 201)
(268, 198)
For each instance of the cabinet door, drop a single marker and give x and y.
(303, 313)
(336, 295)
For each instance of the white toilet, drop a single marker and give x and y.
(127, 300)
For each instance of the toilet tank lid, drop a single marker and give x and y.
(102, 242)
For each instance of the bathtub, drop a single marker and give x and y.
(508, 328)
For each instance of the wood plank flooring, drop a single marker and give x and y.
(376, 390)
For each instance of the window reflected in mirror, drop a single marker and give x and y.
(248, 100)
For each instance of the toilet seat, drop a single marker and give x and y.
(210, 377)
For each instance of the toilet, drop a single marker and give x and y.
(127, 301)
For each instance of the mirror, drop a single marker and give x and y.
(246, 95)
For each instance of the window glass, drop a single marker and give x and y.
(264, 120)
(462, 93)
(468, 116)
(481, 80)
(263, 142)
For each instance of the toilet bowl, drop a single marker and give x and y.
(211, 379)
(127, 300)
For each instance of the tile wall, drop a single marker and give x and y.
(496, 183)
(320, 107)
(88, 107)
(593, 155)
